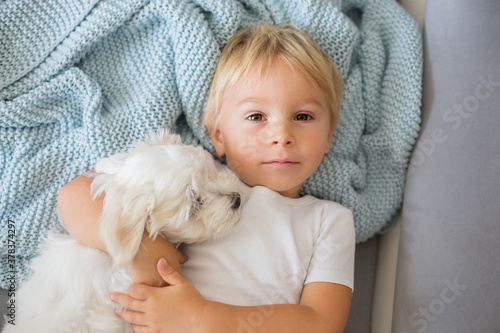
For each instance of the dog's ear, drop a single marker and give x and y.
(123, 220)
(196, 202)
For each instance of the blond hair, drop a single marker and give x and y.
(258, 47)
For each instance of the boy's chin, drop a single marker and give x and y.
(286, 187)
(288, 191)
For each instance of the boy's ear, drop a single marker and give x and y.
(217, 141)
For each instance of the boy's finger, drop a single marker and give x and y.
(139, 328)
(139, 291)
(133, 317)
(182, 257)
(126, 301)
(168, 273)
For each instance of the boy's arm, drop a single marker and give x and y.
(323, 307)
(80, 215)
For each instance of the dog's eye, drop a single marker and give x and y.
(196, 206)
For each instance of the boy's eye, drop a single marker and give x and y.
(303, 117)
(256, 117)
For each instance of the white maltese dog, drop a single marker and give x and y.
(167, 188)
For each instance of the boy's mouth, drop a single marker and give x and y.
(281, 163)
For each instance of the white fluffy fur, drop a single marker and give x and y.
(170, 189)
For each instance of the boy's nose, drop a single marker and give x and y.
(282, 135)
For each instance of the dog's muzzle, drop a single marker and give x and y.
(236, 200)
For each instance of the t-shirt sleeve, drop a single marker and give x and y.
(333, 252)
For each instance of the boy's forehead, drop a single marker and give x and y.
(258, 79)
(253, 76)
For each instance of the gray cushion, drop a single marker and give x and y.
(3, 306)
(365, 265)
(448, 274)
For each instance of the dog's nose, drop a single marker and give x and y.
(236, 199)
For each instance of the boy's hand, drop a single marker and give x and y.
(143, 268)
(176, 308)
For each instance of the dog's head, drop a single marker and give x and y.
(166, 188)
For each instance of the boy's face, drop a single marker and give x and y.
(275, 132)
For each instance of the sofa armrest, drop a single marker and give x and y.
(448, 273)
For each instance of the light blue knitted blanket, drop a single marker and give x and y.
(82, 79)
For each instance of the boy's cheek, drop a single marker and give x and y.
(238, 161)
(328, 142)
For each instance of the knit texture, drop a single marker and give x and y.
(83, 79)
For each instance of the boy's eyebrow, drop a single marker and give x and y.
(251, 100)
(262, 100)
(313, 101)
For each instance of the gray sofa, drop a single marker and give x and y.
(447, 274)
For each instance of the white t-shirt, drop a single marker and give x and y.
(279, 245)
